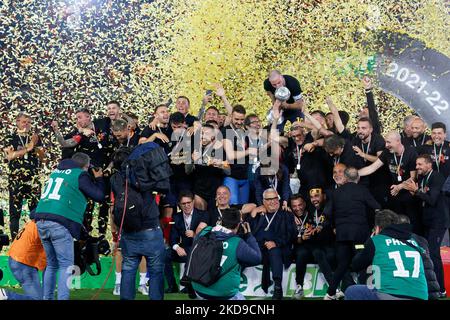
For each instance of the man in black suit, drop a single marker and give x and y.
(348, 208)
(182, 234)
(434, 210)
(275, 231)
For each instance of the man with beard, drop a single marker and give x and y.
(439, 149)
(315, 239)
(306, 169)
(418, 137)
(93, 141)
(406, 133)
(162, 133)
(401, 163)
(434, 210)
(208, 168)
(338, 175)
(235, 143)
(24, 153)
(124, 136)
(274, 230)
(369, 147)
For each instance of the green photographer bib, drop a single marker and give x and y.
(62, 196)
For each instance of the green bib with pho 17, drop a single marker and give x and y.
(400, 268)
(62, 196)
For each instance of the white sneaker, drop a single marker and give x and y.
(116, 290)
(3, 295)
(299, 294)
(143, 289)
(328, 297)
(339, 295)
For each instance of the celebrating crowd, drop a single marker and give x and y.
(311, 192)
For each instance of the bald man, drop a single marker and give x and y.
(401, 163)
(292, 108)
(418, 137)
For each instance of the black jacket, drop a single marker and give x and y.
(434, 204)
(348, 208)
(403, 233)
(177, 232)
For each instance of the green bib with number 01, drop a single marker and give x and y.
(61, 195)
(398, 268)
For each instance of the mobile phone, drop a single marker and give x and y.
(209, 92)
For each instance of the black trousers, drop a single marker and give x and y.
(434, 237)
(19, 191)
(313, 253)
(345, 251)
(272, 260)
(103, 213)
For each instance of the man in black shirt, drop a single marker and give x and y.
(236, 146)
(401, 163)
(435, 210)
(183, 105)
(439, 149)
(222, 202)
(369, 147)
(418, 137)
(124, 135)
(162, 132)
(24, 154)
(292, 108)
(315, 239)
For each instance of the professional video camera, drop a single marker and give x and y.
(87, 253)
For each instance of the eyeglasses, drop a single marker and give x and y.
(314, 191)
(271, 199)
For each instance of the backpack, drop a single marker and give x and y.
(149, 168)
(203, 264)
(133, 220)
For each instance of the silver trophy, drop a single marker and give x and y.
(282, 94)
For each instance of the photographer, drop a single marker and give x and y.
(59, 216)
(26, 257)
(237, 253)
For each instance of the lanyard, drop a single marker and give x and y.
(398, 164)
(368, 147)
(269, 222)
(423, 140)
(239, 140)
(99, 145)
(21, 141)
(436, 156)
(336, 160)
(187, 225)
(299, 156)
(303, 222)
(273, 182)
(316, 218)
(424, 182)
(180, 138)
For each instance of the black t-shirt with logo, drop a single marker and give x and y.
(239, 167)
(401, 168)
(294, 87)
(416, 142)
(25, 167)
(440, 156)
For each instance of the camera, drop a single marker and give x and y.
(87, 253)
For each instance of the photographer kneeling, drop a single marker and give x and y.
(237, 253)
